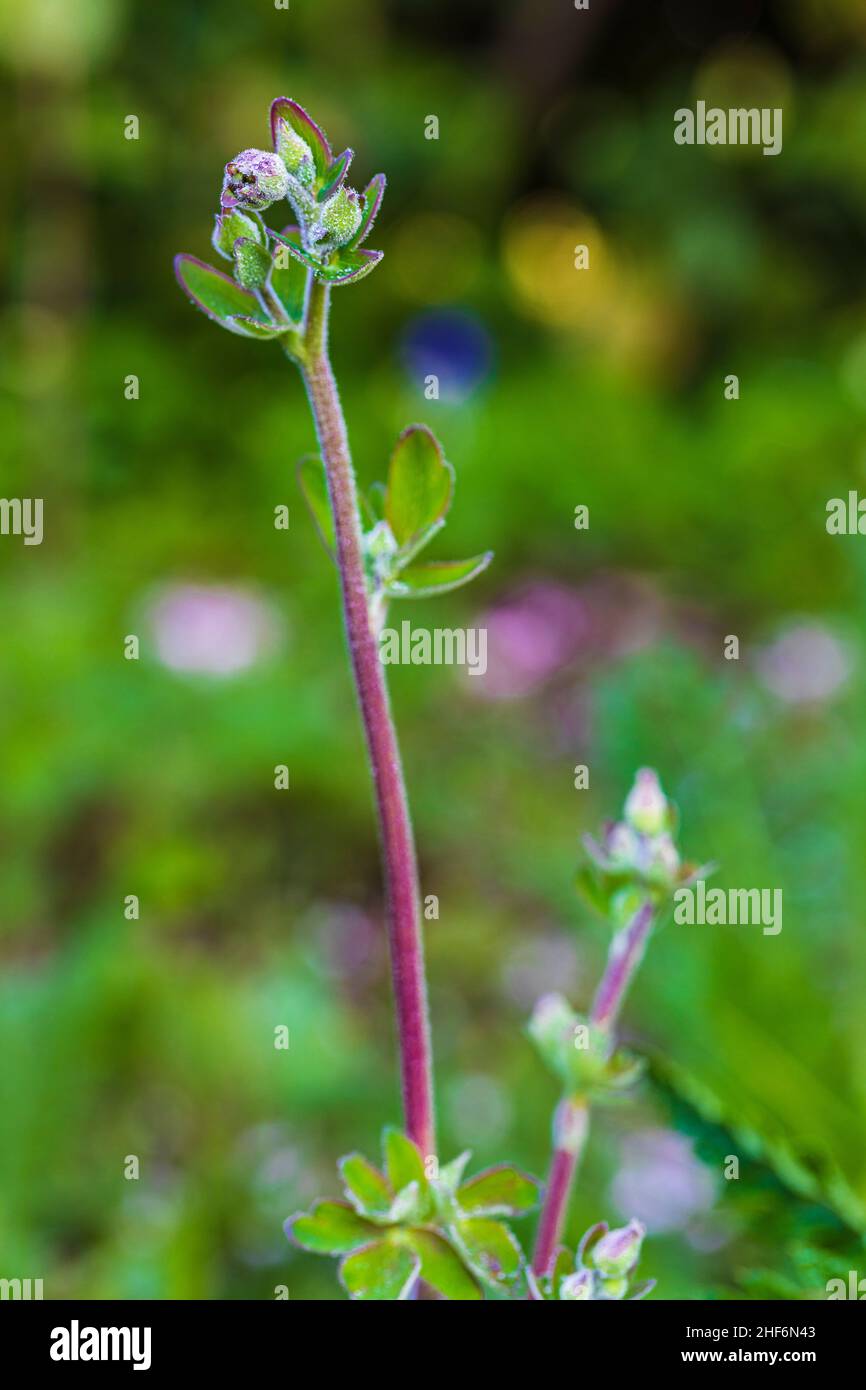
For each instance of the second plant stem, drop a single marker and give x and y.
(395, 826)
(571, 1121)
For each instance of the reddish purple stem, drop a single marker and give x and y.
(572, 1118)
(395, 827)
(624, 957)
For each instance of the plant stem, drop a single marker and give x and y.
(571, 1122)
(395, 827)
(624, 957)
(570, 1128)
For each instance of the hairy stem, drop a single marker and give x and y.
(624, 957)
(395, 827)
(571, 1122)
(570, 1128)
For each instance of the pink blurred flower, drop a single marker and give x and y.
(805, 664)
(661, 1182)
(530, 636)
(211, 629)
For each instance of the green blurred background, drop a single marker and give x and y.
(154, 1037)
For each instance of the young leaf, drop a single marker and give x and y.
(289, 283)
(217, 295)
(499, 1191)
(420, 484)
(331, 1228)
(283, 108)
(343, 266)
(254, 328)
(335, 175)
(442, 1268)
(252, 263)
(490, 1249)
(366, 1188)
(228, 226)
(403, 1161)
(451, 1173)
(372, 196)
(437, 576)
(381, 1271)
(314, 486)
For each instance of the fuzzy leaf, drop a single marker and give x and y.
(437, 576)
(254, 328)
(490, 1249)
(305, 126)
(403, 1161)
(366, 1188)
(252, 263)
(314, 486)
(228, 226)
(331, 1228)
(335, 175)
(217, 295)
(451, 1173)
(420, 484)
(499, 1191)
(443, 1269)
(289, 283)
(372, 196)
(381, 1271)
(343, 266)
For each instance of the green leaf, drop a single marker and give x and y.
(314, 486)
(331, 1228)
(254, 328)
(420, 484)
(490, 1249)
(382, 1271)
(252, 263)
(218, 296)
(499, 1191)
(451, 1173)
(403, 1161)
(443, 1269)
(343, 266)
(283, 108)
(366, 1188)
(335, 175)
(229, 225)
(289, 283)
(372, 201)
(437, 576)
(375, 500)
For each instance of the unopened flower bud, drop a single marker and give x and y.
(577, 1287)
(613, 1290)
(664, 860)
(622, 846)
(254, 179)
(295, 153)
(646, 807)
(619, 1251)
(341, 216)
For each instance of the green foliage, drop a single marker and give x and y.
(584, 1058)
(397, 1225)
(400, 520)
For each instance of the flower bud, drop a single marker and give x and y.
(618, 1252)
(577, 1287)
(646, 807)
(254, 179)
(612, 1290)
(295, 153)
(341, 216)
(623, 846)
